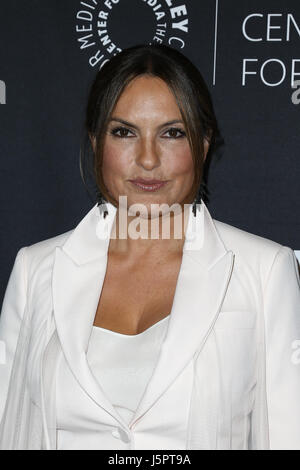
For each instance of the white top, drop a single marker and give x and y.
(122, 365)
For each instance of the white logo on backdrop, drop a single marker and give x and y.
(96, 35)
(273, 28)
(270, 28)
(296, 94)
(2, 92)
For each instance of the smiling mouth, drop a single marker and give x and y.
(149, 186)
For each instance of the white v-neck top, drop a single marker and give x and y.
(122, 365)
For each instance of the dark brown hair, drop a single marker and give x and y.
(183, 79)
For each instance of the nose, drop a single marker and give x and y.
(147, 154)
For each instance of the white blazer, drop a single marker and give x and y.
(235, 321)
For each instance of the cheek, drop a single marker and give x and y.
(180, 162)
(113, 164)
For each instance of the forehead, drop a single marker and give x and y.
(146, 95)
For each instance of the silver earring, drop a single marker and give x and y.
(199, 198)
(101, 204)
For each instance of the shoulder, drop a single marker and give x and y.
(42, 252)
(251, 250)
(237, 239)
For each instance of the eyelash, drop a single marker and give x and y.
(116, 129)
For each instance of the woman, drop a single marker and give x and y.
(179, 339)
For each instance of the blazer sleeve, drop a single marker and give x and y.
(13, 307)
(282, 351)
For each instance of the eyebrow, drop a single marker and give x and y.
(126, 123)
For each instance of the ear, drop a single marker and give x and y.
(93, 141)
(206, 144)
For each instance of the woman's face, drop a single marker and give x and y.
(147, 147)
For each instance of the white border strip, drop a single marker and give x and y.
(297, 253)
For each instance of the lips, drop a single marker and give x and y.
(148, 185)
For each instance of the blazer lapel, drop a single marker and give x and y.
(201, 287)
(78, 275)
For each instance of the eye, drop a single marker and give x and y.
(122, 132)
(174, 131)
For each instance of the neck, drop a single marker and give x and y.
(158, 233)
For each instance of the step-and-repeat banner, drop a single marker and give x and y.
(50, 51)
